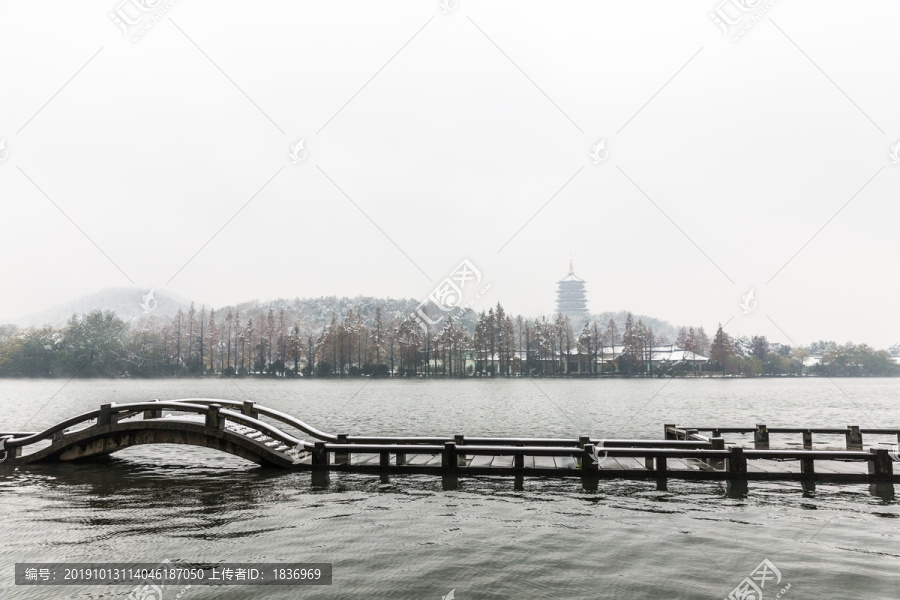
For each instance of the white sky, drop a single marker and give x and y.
(451, 147)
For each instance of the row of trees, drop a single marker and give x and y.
(757, 356)
(265, 341)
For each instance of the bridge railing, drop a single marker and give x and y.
(853, 434)
(252, 409)
(108, 414)
(731, 463)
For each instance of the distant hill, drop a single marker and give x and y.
(314, 313)
(311, 313)
(125, 302)
(660, 328)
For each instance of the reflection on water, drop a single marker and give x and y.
(486, 537)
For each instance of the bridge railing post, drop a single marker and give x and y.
(460, 440)
(807, 439)
(661, 467)
(155, 413)
(249, 409)
(319, 455)
(448, 457)
(342, 457)
(737, 463)
(107, 416)
(761, 437)
(587, 459)
(669, 435)
(854, 438)
(400, 458)
(808, 469)
(519, 459)
(736, 485)
(214, 420)
(881, 465)
(9, 452)
(583, 441)
(718, 443)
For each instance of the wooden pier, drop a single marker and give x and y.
(280, 441)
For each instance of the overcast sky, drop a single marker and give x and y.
(429, 136)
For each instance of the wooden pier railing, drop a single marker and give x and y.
(853, 434)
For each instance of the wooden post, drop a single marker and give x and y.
(715, 433)
(9, 452)
(582, 442)
(249, 409)
(587, 459)
(880, 465)
(401, 458)
(667, 434)
(57, 436)
(807, 440)
(648, 463)
(342, 457)
(107, 416)
(589, 469)
(718, 443)
(321, 478)
(737, 463)
(385, 459)
(854, 438)
(213, 419)
(448, 458)
(155, 413)
(808, 469)
(761, 437)
(881, 471)
(736, 485)
(519, 459)
(320, 455)
(460, 440)
(881, 475)
(661, 467)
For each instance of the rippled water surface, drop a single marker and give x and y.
(408, 538)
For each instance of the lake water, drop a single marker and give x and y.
(408, 538)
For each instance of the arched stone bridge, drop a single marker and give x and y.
(224, 425)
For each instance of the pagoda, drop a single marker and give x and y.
(571, 297)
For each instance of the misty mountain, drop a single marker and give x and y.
(310, 313)
(127, 303)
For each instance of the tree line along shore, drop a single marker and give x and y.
(268, 342)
